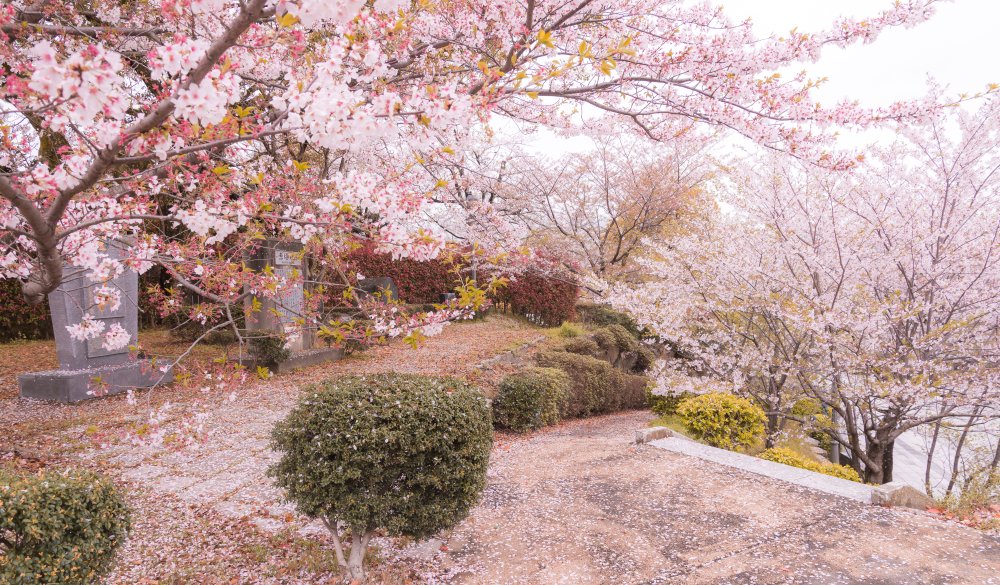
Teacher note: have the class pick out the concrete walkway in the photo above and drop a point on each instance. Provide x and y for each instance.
(803, 477)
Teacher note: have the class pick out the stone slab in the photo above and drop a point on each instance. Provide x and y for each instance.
(79, 385)
(300, 359)
(802, 477)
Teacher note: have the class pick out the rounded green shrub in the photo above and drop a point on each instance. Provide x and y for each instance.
(404, 454)
(810, 410)
(597, 387)
(583, 346)
(806, 407)
(531, 399)
(570, 330)
(646, 359)
(269, 350)
(59, 527)
(722, 420)
(788, 457)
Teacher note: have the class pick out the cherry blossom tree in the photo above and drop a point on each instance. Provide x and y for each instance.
(192, 129)
(598, 207)
(874, 292)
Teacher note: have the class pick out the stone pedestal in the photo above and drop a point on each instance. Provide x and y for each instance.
(79, 385)
(86, 368)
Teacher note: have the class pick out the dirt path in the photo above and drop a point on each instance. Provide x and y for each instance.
(579, 504)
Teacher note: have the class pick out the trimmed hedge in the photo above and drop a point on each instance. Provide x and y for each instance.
(615, 345)
(723, 420)
(603, 316)
(531, 399)
(596, 384)
(582, 346)
(597, 387)
(59, 527)
(616, 339)
(789, 457)
(634, 395)
(542, 299)
(18, 319)
(406, 454)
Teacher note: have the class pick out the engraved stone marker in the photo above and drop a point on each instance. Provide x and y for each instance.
(286, 259)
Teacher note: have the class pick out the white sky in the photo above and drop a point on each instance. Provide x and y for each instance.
(959, 47)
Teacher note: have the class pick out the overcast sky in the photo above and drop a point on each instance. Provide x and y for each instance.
(959, 46)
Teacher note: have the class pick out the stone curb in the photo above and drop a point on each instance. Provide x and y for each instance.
(801, 477)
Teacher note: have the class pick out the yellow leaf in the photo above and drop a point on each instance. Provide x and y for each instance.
(545, 38)
(286, 20)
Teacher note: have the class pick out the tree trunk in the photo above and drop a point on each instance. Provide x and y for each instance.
(957, 459)
(772, 430)
(875, 454)
(930, 459)
(887, 462)
(356, 560)
(994, 472)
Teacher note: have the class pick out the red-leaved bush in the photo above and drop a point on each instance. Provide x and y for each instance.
(418, 282)
(542, 299)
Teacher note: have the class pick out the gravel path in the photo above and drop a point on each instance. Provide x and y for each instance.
(576, 503)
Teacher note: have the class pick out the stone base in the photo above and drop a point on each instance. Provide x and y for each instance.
(79, 385)
(300, 359)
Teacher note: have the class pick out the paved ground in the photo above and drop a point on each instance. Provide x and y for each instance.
(579, 504)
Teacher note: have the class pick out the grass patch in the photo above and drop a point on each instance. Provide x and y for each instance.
(672, 422)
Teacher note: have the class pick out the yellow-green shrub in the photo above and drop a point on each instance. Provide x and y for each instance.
(722, 420)
(570, 330)
(665, 404)
(788, 457)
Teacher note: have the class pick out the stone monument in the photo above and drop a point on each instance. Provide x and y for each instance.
(86, 368)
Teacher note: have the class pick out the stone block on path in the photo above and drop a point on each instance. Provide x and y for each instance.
(900, 495)
(651, 434)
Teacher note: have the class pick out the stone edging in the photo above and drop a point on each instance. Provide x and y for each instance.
(802, 477)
